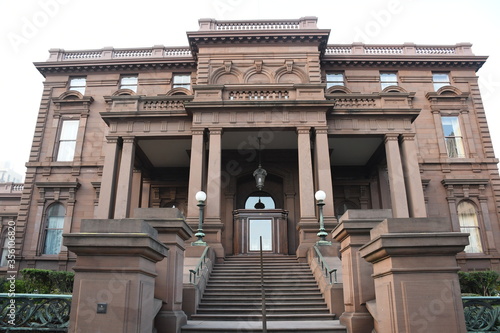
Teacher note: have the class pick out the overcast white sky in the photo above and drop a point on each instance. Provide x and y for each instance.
(29, 28)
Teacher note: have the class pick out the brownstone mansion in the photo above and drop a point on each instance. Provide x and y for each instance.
(260, 115)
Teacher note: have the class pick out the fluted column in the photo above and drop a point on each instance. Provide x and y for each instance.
(396, 178)
(323, 172)
(123, 188)
(195, 173)
(108, 182)
(413, 181)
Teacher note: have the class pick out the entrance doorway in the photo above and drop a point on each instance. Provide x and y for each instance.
(251, 224)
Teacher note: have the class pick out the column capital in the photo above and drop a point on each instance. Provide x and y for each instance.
(112, 139)
(128, 139)
(215, 131)
(197, 131)
(391, 137)
(321, 130)
(303, 130)
(408, 137)
(434, 111)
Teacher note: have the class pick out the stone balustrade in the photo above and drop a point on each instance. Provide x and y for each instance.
(403, 49)
(391, 100)
(160, 51)
(11, 187)
(157, 51)
(135, 103)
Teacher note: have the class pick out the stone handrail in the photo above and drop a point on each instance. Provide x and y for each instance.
(402, 49)
(482, 314)
(35, 312)
(157, 51)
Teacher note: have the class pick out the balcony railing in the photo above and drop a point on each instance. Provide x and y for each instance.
(34, 312)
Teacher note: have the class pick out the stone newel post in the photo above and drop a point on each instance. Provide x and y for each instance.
(115, 274)
(353, 232)
(415, 274)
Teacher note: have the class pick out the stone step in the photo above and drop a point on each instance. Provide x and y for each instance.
(328, 326)
(270, 299)
(258, 316)
(269, 305)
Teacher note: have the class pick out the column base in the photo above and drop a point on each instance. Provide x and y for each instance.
(357, 322)
(170, 321)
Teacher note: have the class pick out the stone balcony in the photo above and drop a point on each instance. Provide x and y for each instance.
(162, 104)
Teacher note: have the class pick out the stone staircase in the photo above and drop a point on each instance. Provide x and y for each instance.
(232, 299)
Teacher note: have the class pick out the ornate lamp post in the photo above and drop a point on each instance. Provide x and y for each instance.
(200, 197)
(320, 198)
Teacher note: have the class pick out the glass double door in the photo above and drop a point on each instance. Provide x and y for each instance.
(250, 225)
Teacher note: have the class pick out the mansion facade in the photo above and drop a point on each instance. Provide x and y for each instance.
(399, 127)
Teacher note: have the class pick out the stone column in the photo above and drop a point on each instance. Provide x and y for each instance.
(107, 192)
(214, 176)
(324, 173)
(396, 179)
(172, 232)
(353, 232)
(114, 276)
(308, 224)
(136, 189)
(195, 173)
(146, 193)
(413, 181)
(124, 186)
(415, 274)
(212, 224)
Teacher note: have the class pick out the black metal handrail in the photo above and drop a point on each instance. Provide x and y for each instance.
(194, 273)
(264, 317)
(35, 312)
(482, 314)
(324, 266)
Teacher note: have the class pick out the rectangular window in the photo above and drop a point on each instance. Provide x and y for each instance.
(78, 84)
(388, 79)
(453, 137)
(440, 80)
(334, 79)
(129, 82)
(182, 81)
(67, 141)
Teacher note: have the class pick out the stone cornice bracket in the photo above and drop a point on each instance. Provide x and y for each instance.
(289, 66)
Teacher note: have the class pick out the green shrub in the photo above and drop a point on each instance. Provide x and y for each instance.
(43, 281)
(5, 286)
(483, 283)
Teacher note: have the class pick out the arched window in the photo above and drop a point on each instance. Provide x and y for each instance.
(53, 229)
(260, 200)
(467, 217)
